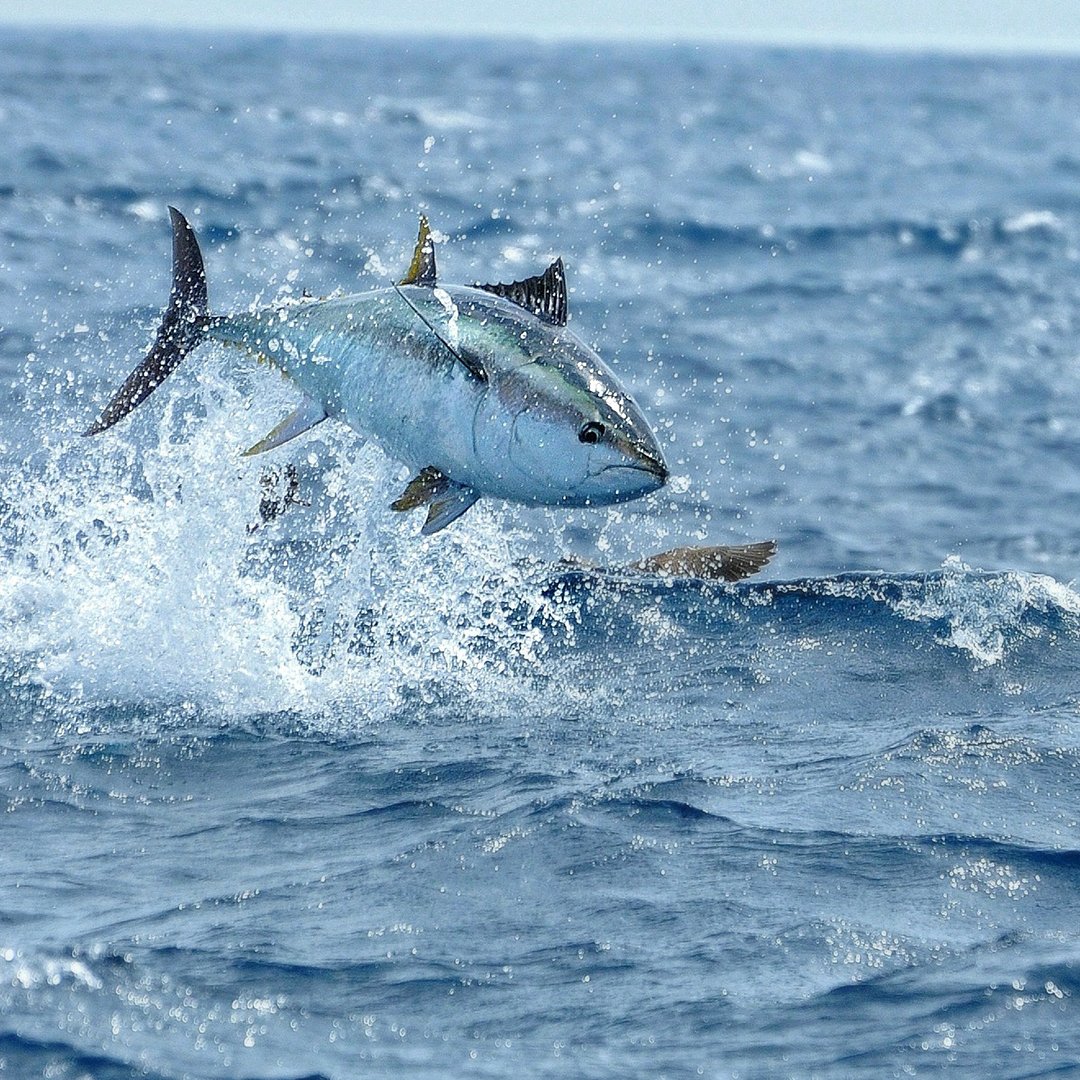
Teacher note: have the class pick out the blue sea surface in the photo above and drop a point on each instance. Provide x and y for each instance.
(320, 797)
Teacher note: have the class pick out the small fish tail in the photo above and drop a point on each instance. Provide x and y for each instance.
(183, 326)
(730, 562)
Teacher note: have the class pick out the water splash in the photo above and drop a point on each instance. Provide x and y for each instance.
(136, 567)
(987, 613)
(981, 613)
(138, 570)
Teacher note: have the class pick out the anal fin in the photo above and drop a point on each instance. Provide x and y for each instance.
(301, 419)
(445, 499)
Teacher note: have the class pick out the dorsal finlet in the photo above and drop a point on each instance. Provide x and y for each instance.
(422, 267)
(543, 295)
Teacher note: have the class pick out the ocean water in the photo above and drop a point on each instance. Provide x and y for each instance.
(323, 798)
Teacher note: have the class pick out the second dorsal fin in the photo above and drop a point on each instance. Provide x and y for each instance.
(543, 295)
(422, 267)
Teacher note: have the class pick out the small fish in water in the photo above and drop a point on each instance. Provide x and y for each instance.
(280, 490)
(726, 562)
(482, 389)
(723, 563)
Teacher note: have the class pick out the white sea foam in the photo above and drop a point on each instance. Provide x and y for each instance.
(986, 613)
(133, 574)
(1032, 220)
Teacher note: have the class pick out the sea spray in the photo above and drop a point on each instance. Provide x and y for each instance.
(139, 566)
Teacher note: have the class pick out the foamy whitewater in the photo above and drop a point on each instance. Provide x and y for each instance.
(315, 796)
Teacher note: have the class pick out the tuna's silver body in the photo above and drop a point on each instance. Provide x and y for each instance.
(483, 390)
(387, 364)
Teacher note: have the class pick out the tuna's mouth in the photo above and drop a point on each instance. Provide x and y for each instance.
(645, 464)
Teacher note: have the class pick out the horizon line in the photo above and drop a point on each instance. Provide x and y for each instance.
(872, 43)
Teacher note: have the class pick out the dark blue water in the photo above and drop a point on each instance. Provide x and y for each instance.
(323, 798)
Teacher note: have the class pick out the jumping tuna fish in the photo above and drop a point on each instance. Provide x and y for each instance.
(483, 389)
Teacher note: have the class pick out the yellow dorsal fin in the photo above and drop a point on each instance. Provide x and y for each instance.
(422, 267)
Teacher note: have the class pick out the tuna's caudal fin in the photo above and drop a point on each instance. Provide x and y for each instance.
(182, 328)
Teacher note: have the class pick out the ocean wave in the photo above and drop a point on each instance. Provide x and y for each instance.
(101, 1014)
(976, 743)
(946, 238)
(994, 865)
(982, 613)
(1012, 971)
(132, 572)
(24, 1055)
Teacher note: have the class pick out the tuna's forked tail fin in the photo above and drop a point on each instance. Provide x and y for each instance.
(182, 327)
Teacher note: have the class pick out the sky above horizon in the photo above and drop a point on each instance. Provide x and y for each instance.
(967, 25)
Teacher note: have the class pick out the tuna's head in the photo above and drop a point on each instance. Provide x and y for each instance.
(563, 432)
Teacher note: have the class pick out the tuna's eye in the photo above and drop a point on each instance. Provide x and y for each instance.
(592, 432)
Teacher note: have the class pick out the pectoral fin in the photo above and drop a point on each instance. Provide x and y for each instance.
(445, 499)
(449, 508)
(301, 419)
